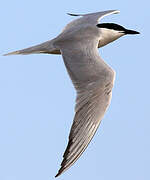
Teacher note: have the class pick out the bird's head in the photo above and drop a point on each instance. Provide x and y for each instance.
(111, 31)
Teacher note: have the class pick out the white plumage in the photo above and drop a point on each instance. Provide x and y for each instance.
(93, 79)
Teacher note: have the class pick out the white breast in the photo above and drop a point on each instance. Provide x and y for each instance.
(108, 35)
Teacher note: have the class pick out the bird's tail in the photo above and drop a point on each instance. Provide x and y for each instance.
(46, 47)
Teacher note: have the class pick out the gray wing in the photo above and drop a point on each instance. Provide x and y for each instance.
(47, 47)
(91, 18)
(93, 81)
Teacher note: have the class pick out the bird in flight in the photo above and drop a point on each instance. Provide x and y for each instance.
(92, 78)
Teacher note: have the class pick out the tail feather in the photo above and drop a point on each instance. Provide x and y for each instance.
(46, 47)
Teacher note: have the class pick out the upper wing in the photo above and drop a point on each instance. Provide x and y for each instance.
(47, 47)
(93, 81)
(91, 18)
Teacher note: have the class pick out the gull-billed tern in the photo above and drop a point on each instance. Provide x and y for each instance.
(92, 78)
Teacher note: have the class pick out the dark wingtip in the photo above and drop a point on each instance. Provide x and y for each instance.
(59, 172)
(73, 14)
(12, 53)
(56, 175)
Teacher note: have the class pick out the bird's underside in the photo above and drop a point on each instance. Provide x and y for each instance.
(57, 51)
(92, 78)
(44, 48)
(94, 92)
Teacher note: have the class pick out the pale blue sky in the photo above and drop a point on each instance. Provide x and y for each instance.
(37, 96)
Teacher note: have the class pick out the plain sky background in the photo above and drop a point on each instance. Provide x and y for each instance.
(37, 96)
